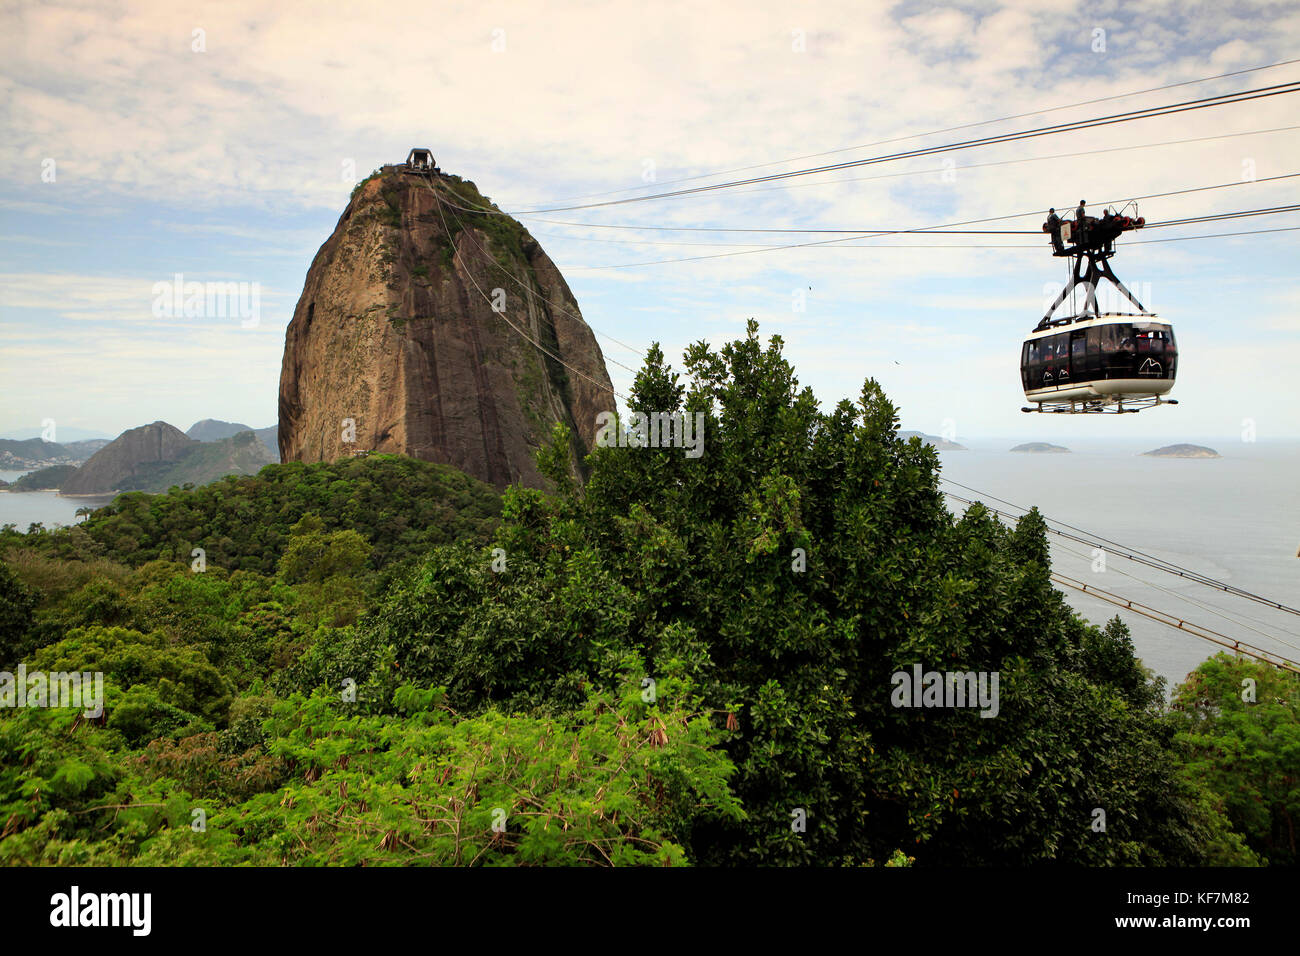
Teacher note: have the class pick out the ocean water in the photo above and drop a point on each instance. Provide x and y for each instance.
(1235, 519)
(47, 507)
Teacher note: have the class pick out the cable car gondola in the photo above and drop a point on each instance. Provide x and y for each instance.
(1096, 361)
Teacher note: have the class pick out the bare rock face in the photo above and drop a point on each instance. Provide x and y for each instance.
(395, 345)
(130, 460)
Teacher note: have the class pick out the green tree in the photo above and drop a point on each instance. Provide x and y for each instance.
(400, 505)
(789, 571)
(153, 687)
(1238, 723)
(16, 604)
(315, 556)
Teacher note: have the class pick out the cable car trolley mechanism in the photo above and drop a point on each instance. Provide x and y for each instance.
(1096, 361)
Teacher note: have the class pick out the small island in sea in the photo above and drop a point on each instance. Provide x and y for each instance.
(1042, 448)
(941, 444)
(1183, 451)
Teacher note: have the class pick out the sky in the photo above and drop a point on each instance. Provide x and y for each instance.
(220, 142)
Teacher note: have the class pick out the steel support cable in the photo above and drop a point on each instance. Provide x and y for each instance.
(942, 229)
(1008, 162)
(935, 132)
(1216, 235)
(918, 245)
(1123, 551)
(1156, 563)
(1228, 99)
(1179, 624)
(1171, 109)
(1273, 211)
(1218, 217)
(1220, 612)
(921, 172)
(940, 169)
(877, 234)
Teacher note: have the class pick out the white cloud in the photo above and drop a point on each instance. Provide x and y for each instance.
(261, 124)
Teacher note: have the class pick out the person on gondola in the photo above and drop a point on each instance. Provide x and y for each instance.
(1054, 227)
(1108, 220)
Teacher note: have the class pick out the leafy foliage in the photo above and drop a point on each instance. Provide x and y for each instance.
(680, 660)
(1238, 724)
(607, 785)
(16, 604)
(44, 478)
(789, 572)
(401, 506)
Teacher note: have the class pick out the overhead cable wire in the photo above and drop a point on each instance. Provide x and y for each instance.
(1178, 623)
(935, 132)
(1239, 619)
(965, 166)
(1276, 210)
(1217, 235)
(879, 233)
(922, 172)
(1217, 217)
(1226, 99)
(941, 170)
(1124, 551)
(938, 230)
(1170, 620)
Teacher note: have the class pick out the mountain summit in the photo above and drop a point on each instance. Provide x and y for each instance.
(433, 325)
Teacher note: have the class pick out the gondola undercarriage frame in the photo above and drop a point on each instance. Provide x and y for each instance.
(1099, 406)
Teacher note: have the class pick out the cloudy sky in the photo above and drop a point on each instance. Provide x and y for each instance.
(220, 141)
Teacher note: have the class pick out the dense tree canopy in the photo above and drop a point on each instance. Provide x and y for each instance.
(688, 658)
(789, 572)
(400, 505)
(1238, 723)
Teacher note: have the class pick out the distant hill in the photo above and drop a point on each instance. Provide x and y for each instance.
(1183, 451)
(44, 479)
(1042, 448)
(242, 454)
(82, 450)
(213, 429)
(31, 454)
(154, 457)
(131, 461)
(942, 444)
(270, 438)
